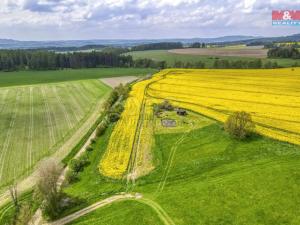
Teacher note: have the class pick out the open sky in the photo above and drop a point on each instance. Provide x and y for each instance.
(139, 19)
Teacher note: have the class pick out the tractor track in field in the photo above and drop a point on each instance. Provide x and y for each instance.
(76, 107)
(62, 106)
(137, 136)
(9, 134)
(29, 181)
(4, 211)
(49, 118)
(167, 170)
(162, 182)
(162, 214)
(31, 128)
(4, 96)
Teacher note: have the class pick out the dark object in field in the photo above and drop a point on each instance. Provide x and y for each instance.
(168, 123)
(181, 112)
(164, 106)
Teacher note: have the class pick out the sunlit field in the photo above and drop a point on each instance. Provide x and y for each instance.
(270, 96)
(36, 120)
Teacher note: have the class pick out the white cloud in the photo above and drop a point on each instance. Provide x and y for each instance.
(121, 18)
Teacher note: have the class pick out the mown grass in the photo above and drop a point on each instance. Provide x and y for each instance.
(35, 121)
(171, 58)
(125, 213)
(213, 179)
(52, 76)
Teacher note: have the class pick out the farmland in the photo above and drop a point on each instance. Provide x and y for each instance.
(237, 52)
(195, 173)
(36, 120)
(207, 178)
(45, 113)
(270, 96)
(54, 76)
(171, 58)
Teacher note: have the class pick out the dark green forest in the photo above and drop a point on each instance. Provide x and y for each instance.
(284, 52)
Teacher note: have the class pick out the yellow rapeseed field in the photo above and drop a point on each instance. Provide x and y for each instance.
(129, 134)
(272, 97)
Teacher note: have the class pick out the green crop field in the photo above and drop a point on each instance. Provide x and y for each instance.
(171, 58)
(38, 77)
(207, 178)
(35, 121)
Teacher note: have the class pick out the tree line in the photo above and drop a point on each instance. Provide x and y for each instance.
(157, 46)
(12, 60)
(244, 64)
(284, 52)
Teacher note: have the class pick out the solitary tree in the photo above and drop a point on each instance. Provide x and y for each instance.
(47, 188)
(239, 125)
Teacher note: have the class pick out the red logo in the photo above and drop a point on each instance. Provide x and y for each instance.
(286, 15)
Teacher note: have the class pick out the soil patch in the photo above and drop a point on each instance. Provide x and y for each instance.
(243, 52)
(116, 81)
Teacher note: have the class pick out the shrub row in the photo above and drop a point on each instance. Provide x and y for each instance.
(113, 107)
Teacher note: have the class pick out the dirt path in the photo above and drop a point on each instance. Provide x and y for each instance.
(115, 81)
(29, 181)
(92, 208)
(162, 214)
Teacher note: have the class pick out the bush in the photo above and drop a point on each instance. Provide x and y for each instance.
(123, 90)
(239, 125)
(89, 148)
(84, 160)
(113, 117)
(111, 100)
(157, 110)
(118, 108)
(77, 165)
(101, 129)
(166, 105)
(71, 176)
(93, 141)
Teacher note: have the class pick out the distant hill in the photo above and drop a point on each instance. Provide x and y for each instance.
(262, 40)
(15, 44)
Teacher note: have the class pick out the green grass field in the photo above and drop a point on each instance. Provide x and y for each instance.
(38, 77)
(7, 211)
(125, 213)
(207, 178)
(171, 58)
(36, 120)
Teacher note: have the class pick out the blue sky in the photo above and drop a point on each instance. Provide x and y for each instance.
(139, 19)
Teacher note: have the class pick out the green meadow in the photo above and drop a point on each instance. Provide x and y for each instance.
(205, 178)
(171, 58)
